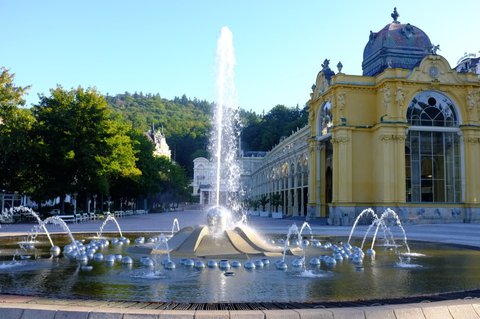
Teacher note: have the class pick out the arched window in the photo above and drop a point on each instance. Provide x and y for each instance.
(432, 150)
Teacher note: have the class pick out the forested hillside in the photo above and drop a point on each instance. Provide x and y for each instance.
(186, 123)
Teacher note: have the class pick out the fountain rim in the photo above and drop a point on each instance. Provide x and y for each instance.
(462, 297)
(427, 299)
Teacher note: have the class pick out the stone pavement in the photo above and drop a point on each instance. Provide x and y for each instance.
(27, 307)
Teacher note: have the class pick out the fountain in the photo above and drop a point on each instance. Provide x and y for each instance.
(377, 223)
(175, 226)
(27, 210)
(365, 212)
(58, 221)
(390, 213)
(196, 257)
(105, 222)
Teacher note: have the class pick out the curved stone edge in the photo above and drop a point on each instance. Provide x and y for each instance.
(24, 307)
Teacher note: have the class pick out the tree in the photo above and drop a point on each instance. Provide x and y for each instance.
(150, 181)
(175, 183)
(263, 200)
(276, 200)
(81, 142)
(263, 133)
(253, 203)
(16, 160)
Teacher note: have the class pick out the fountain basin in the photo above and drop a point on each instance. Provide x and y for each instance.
(432, 269)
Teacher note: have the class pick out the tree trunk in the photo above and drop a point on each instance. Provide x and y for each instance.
(62, 204)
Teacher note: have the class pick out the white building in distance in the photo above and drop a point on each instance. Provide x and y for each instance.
(158, 139)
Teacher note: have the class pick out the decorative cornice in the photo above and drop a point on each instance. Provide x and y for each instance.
(340, 140)
(472, 140)
(392, 137)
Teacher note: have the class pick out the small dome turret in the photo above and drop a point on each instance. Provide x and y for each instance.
(397, 45)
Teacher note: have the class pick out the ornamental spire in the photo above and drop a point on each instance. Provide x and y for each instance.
(395, 15)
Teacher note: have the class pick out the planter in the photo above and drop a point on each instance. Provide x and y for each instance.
(254, 213)
(264, 214)
(277, 215)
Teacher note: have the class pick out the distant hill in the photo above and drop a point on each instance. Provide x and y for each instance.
(186, 123)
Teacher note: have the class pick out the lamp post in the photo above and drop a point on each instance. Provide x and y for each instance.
(94, 203)
(108, 203)
(75, 203)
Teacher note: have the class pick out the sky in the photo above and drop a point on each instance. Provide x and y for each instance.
(168, 46)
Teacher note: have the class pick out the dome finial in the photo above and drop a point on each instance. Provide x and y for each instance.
(395, 15)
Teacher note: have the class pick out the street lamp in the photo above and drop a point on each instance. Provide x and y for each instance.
(94, 203)
(75, 203)
(109, 202)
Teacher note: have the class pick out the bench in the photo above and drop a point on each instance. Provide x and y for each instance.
(118, 213)
(67, 218)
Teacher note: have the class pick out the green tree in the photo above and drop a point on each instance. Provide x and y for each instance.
(263, 133)
(82, 144)
(276, 200)
(175, 187)
(16, 158)
(263, 201)
(149, 182)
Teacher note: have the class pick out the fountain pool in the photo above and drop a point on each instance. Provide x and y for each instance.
(431, 269)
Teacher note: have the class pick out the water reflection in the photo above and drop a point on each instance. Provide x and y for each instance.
(441, 268)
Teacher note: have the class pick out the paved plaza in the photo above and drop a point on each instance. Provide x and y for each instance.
(25, 307)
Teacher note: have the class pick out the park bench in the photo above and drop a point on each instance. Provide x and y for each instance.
(67, 218)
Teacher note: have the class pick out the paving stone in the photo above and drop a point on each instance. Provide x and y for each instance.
(439, 312)
(177, 314)
(379, 313)
(314, 314)
(105, 315)
(65, 314)
(11, 313)
(38, 314)
(125, 311)
(408, 313)
(345, 313)
(280, 314)
(463, 312)
(212, 314)
(247, 314)
(139, 316)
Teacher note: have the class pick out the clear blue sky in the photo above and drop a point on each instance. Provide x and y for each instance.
(168, 47)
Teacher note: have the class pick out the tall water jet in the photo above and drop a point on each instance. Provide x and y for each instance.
(225, 134)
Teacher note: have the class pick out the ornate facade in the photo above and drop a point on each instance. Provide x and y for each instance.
(404, 135)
